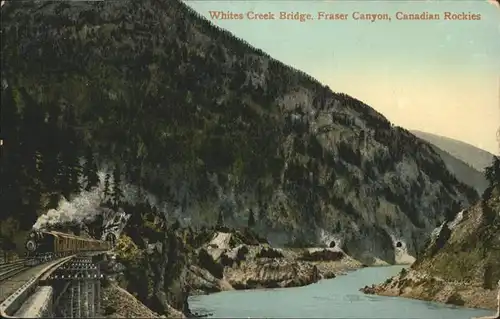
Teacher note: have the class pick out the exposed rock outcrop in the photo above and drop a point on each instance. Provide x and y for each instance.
(247, 266)
(497, 315)
(271, 273)
(201, 281)
(153, 263)
(119, 303)
(461, 264)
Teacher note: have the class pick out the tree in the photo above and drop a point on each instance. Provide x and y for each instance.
(9, 229)
(90, 170)
(51, 149)
(117, 191)
(251, 219)
(11, 164)
(452, 211)
(107, 185)
(70, 183)
(388, 221)
(338, 227)
(31, 141)
(492, 172)
(262, 212)
(220, 219)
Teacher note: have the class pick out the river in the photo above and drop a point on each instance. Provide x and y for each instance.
(333, 298)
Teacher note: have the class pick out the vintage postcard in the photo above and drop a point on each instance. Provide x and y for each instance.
(250, 159)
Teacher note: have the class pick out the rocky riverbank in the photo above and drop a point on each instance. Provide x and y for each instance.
(419, 285)
(119, 303)
(246, 266)
(461, 264)
(162, 269)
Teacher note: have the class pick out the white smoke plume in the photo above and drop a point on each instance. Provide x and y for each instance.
(83, 208)
(86, 206)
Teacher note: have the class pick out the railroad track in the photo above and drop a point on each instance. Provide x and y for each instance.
(17, 288)
(8, 270)
(4, 264)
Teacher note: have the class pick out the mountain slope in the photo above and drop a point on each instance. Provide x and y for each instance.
(463, 172)
(211, 127)
(461, 264)
(477, 158)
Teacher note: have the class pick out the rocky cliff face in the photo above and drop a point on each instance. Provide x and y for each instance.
(166, 264)
(209, 125)
(155, 272)
(461, 264)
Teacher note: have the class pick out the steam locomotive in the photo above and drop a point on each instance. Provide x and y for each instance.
(46, 245)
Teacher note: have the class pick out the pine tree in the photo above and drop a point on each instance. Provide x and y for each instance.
(51, 151)
(94, 181)
(492, 172)
(220, 219)
(262, 212)
(29, 176)
(11, 168)
(117, 191)
(251, 219)
(107, 185)
(74, 172)
(59, 175)
(90, 171)
(69, 156)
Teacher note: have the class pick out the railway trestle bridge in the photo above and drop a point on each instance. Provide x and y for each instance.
(68, 287)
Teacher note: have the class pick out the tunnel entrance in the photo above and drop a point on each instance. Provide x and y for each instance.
(399, 244)
(332, 244)
(111, 238)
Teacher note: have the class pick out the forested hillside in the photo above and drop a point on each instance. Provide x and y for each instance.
(153, 94)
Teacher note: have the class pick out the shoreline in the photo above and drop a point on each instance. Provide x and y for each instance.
(262, 266)
(417, 285)
(200, 313)
(222, 260)
(338, 269)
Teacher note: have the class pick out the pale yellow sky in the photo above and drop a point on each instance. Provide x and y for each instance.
(435, 76)
(465, 107)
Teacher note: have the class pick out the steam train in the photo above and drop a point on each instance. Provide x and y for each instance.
(46, 245)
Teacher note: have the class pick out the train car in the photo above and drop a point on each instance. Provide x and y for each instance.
(46, 245)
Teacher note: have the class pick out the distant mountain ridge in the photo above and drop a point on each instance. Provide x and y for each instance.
(478, 158)
(463, 170)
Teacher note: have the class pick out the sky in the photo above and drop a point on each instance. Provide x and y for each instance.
(438, 76)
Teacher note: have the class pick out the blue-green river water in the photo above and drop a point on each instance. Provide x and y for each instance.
(333, 298)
